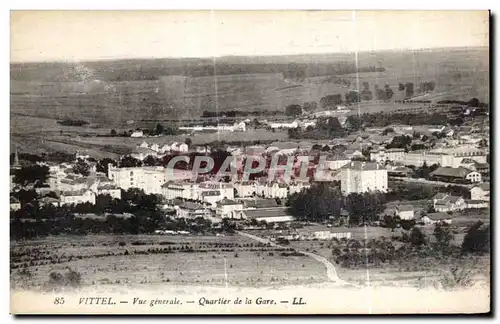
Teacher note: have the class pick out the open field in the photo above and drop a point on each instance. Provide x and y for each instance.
(416, 271)
(39, 134)
(149, 259)
(111, 91)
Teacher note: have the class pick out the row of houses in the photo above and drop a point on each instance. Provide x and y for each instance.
(446, 157)
(240, 209)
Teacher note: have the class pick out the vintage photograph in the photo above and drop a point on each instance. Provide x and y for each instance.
(250, 162)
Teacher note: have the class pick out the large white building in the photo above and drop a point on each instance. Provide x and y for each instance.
(382, 155)
(236, 127)
(445, 157)
(336, 162)
(77, 197)
(185, 190)
(363, 177)
(149, 179)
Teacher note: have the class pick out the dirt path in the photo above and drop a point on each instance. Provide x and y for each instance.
(331, 272)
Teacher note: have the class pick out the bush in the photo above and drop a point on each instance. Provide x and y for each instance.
(477, 239)
(70, 279)
(122, 244)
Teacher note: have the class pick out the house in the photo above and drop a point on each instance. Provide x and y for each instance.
(455, 175)
(272, 189)
(259, 203)
(15, 204)
(393, 154)
(298, 186)
(269, 215)
(399, 172)
(434, 218)
(219, 190)
(444, 202)
(481, 192)
(226, 206)
(350, 153)
(77, 197)
(192, 210)
(335, 162)
(211, 197)
(109, 189)
(363, 177)
(142, 153)
(137, 133)
(245, 188)
(179, 147)
(46, 201)
(405, 212)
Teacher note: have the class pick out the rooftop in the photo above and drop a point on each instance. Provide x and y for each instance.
(362, 166)
(459, 172)
(438, 216)
(260, 203)
(267, 212)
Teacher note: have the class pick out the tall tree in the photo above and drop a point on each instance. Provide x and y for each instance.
(293, 110)
(81, 167)
(31, 174)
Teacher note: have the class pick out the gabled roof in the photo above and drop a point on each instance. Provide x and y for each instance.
(438, 216)
(403, 208)
(191, 205)
(266, 212)
(459, 172)
(260, 203)
(358, 165)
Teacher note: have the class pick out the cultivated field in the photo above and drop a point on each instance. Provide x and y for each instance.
(165, 260)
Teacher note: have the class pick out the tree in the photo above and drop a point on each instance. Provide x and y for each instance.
(81, 167)
(102, 165)
(310, 106)
(477, 239)
(401, 87)
(316, 203)
(293, 110)
(390, 221)
(443, 236)
(364, 208)
(129, 161)
(31, 174)
(352, 97)
(331, 100)
(409, 90)
(159, 129)
(150, 161)
(474, 102)
(388, 92)
(417, 238)
(113, 132)
(188, 141)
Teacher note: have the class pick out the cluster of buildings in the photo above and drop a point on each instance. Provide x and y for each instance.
(156, 150)
(236, 127)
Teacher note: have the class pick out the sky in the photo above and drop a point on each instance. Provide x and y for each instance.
(94, 35)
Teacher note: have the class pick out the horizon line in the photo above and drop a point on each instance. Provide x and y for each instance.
(243, 55)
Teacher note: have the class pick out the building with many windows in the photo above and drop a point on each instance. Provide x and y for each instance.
(361, 177)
